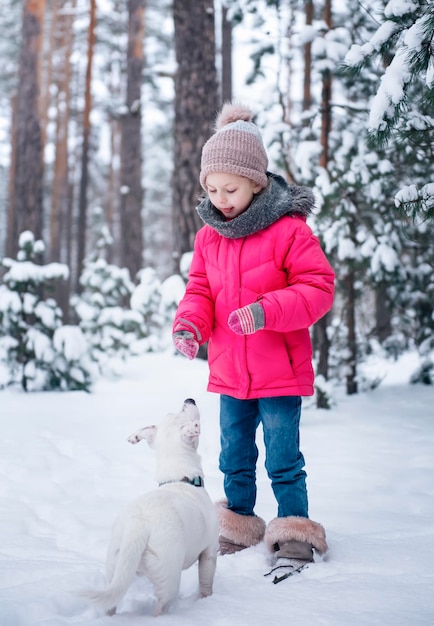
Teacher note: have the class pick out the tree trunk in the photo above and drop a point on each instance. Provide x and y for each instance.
(323, 340)
(112, 197)
(226, 56)
(46, 74)
(60, 193)
(82, 198)
(131, 149)
(26, 198)
(60, 187)
(323, 343)
(196, 103)
(383, 323)
(10, 245)
(350, 315)
(307, 78)
(112, 203)
(351, 376)
(326, 97)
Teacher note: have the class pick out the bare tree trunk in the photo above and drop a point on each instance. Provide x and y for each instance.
(82, 199)
(131, 148)
(112, 196)
(323, 343)
(196, 103)
(307, 78)
(383, 323)
(112, 210)
(351, 376)
(226, 55)
(326, 97)
(10, 245)
(26, 210)
(45, 73)
(285, 67)
(60, 187)
(60, 196)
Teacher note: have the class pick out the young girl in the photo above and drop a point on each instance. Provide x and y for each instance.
(258, 280)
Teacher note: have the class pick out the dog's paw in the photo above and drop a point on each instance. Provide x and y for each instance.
(134, 438)
(205, 591)
(148, 433)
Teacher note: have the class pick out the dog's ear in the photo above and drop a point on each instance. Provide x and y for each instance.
(147, 433)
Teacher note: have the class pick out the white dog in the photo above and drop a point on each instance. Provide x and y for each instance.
(168, 529)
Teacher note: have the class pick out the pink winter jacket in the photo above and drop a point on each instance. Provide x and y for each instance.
(283, 267)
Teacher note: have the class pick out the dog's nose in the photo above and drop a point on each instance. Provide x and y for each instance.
(189, 401)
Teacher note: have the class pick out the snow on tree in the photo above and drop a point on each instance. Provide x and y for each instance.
(401, 110)
(157, 301)
(172, 290)
(382, 297)
(113, 330)
(401, 126)
(31, 353)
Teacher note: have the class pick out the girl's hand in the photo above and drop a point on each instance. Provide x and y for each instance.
(186, 343)
(247, 320)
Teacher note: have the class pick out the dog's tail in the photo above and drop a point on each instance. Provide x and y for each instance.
(130, 553)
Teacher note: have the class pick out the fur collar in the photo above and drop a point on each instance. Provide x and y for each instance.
(276, 200)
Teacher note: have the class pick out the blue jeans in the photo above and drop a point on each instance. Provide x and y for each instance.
(280, 417)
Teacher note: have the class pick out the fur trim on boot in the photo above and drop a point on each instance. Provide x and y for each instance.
(283, 529)
(238, 531)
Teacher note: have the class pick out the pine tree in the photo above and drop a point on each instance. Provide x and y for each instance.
(35, 349)
(146, 299)
(401, 128)
(401, 112)
(112, 329)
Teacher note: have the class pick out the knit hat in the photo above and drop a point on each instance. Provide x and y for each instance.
(236, 147)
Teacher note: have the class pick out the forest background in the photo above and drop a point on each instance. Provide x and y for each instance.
(104, 108)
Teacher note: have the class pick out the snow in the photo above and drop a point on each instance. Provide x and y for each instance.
(411, 193)
(67, 471)
(400, 72)
(24, 271)
(358, 53)
(398, 8)
(427, 193)
(70, 341)
(391, 90)
(346, 249)
(384, 257)
(41, 344)
(9, 300)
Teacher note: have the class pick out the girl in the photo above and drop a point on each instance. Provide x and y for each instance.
(258, 280)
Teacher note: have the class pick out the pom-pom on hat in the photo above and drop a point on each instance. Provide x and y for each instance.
(236, 147)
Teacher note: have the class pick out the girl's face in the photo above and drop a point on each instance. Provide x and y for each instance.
(231, 194)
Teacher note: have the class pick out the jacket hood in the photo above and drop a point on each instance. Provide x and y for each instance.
(276, 200)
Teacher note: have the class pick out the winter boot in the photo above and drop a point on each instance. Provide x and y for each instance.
(292, 541)
(238, 532)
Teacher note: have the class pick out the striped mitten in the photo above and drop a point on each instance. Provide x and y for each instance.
(247, 320)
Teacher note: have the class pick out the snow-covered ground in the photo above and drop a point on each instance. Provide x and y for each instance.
(66, 470)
